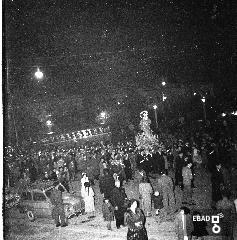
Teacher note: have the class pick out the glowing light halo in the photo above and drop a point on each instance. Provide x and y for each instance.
(49, 123)
(39, 74)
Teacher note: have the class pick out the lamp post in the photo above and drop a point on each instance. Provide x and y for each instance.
(155, 111)
(204, 108)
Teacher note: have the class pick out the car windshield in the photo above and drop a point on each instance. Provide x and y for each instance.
(48, 192)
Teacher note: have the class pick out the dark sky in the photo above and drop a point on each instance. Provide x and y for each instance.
(87, 46)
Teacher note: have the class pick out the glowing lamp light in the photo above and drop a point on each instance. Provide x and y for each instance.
(118, 103)
(234, 113)
(103, 114)
(223, 114)
(49, 123)
(155, 107)
(164, 98)
(203, 99)
(163, 83)
(39, 74)
(195, 94)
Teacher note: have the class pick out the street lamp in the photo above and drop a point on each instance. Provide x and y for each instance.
(155, 111)
(39, 74)
(204, 108)
(163, 83)
(103, 114)
(164, 97)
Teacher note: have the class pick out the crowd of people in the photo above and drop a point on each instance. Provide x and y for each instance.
(182, 152)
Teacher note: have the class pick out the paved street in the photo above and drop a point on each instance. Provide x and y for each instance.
(82, 228)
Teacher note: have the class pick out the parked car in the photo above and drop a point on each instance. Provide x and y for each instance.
(36, 203)
(11, 200)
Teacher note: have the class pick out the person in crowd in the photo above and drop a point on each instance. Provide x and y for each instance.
(145, 191)
(106, 184)
(139, 175)
(84, 179)
(199, 227)
(46, 177)
(139, 158)
(72, 170)
(58, 213)
(235, 202)
(118, 198)
(63, 177)
(166, 187)
(88, 196)
(132, 158)
(157, 200)
(226, 207)
(102, 166)
(32, 172)
(90, 174)
(53, 175)
(187, 181)
(127, 167)
(108, 212)
(24, 183)
(116, 177)
(212, 157)
(196, 157)
(183, 224)
(178, 169)
(217, 182)
(66, 178)
(204, 156)
(135, 220)
(158, 160)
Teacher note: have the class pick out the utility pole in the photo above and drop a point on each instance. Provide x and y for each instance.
(10, 105)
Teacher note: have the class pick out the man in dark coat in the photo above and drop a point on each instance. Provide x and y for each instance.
(158, 161)
(58, 208)
(217, 182)
(117, 199)
(212, 157)
(106, 183)
(179, 164)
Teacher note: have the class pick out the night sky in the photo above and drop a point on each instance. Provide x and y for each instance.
(87, 46)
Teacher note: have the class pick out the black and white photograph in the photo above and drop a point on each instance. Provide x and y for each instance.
(119, 120)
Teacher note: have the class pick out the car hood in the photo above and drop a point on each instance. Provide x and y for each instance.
(69, 198)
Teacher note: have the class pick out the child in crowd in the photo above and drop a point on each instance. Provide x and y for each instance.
(157, 200)
(108, 213)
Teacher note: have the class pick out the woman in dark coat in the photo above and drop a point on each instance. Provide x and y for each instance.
(217, 183)
(108, 212)
(118, 200)
(135, 220)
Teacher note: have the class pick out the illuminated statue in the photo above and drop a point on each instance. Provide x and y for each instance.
(146, 140)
